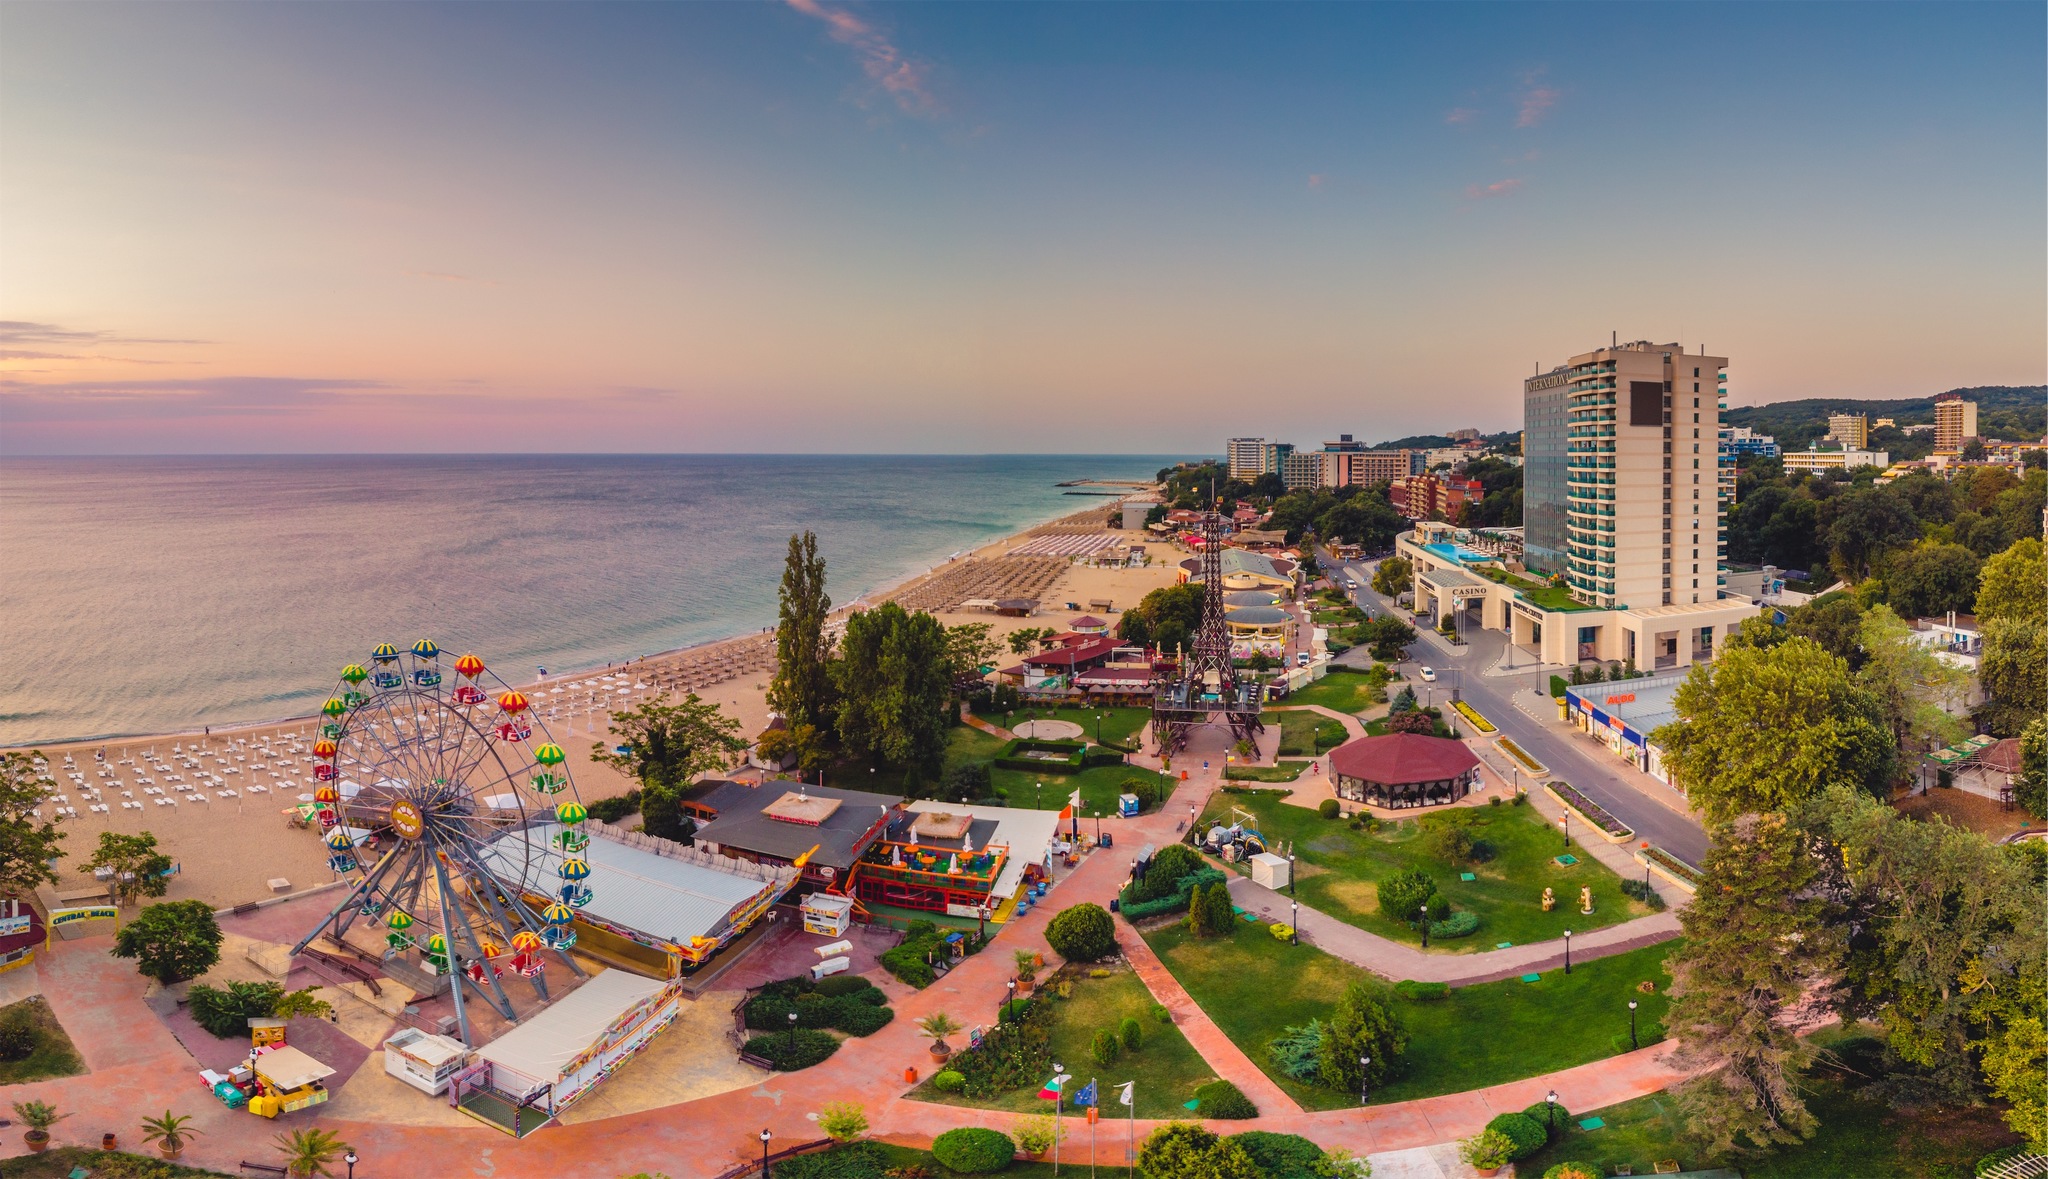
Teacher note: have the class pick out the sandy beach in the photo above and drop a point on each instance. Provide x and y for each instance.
(216, 801)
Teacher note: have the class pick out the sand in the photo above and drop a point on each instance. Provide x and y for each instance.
(229, 848)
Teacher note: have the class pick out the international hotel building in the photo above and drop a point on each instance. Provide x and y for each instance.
(1622, 501)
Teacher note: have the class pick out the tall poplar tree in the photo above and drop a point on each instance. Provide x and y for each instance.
(802, 685)
(1757, 938)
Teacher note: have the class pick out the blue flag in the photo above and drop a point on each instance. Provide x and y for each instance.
(1086, 1097)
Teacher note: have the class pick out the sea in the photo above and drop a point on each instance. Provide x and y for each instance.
(149, 595)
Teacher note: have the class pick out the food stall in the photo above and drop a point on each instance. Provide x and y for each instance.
(826, 914)
(286, 1079)
(423, 1060)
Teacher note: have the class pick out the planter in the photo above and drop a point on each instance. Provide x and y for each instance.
(1589, 813)
(941, 1053)
(164, 1148)
(38, 1140)
(1675, 876)
(1487, 1171)
(1023, 986)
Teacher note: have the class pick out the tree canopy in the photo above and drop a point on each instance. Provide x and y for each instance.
(1166, 618)
(27, 843)
(801, 687)
(895, 685)
(667, 746)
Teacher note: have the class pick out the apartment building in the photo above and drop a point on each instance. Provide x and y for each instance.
(1843, 459)
(1247, 457)
(1303, 470)
(1432, 496)
(1741, 440)
(1852, 430)
(1955, 421)
(1639, 459)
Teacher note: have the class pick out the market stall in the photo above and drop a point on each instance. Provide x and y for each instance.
(551, 1059)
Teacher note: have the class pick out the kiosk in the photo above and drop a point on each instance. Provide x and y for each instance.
(286, 1079)
(826, 914)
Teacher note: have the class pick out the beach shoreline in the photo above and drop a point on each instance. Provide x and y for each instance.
(867, 599)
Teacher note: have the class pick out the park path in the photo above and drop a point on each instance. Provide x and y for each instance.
(140, 1069)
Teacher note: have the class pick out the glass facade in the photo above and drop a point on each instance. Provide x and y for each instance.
(1543, 471)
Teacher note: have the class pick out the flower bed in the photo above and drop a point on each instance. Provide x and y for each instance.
(1472, 714)
(1671, 868)
(1528, 763)
(1592, 812)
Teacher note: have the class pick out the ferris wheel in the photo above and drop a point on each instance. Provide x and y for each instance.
(478, 863)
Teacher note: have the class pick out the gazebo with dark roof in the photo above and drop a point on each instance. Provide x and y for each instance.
(1401, 770)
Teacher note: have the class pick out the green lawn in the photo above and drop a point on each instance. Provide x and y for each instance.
(1858, 1138)
(1340, 868)
(1100, 788)
(1342, 691)
(1481, 1035)
(54, 1055)
(1167, 1068)
(1119, 725)
(1305, 734)
(1286, 771)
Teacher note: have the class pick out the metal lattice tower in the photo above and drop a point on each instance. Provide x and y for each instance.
(1206, 683)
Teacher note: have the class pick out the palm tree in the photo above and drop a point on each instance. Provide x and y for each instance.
(168, 1132)
(38, 1116)
(307, 1152)
(938, 1025)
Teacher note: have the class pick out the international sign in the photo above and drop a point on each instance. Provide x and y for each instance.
(1625, 698)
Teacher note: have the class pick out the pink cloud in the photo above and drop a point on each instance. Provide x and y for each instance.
(1499, 188)
(1536, 103)
(905, 80)
(1317, 179)
(1460, 114)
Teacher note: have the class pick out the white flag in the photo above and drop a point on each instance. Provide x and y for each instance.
(1124, 1098)
(1076, 800)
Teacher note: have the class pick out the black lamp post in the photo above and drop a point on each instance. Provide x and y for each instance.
(1294, 922)
(1632, 1025)
(1290, 873)
(765, 1136)
(1364, 1063)
(1040, 804)
(1567, 951)
(1010, 1004)
(350, 1159)
(1550, 1109)
(1098, 828)
(792, 1031)
(1566, 823)
(1425, 925)
(1098, 728)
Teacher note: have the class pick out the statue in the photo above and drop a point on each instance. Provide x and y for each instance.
(1549, 900)
(1585, 900)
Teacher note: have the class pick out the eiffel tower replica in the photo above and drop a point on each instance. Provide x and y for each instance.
(1205, 685)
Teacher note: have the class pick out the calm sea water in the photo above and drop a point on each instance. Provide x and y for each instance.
(143, 595)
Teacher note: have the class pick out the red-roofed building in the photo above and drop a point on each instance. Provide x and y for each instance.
(1401, 770)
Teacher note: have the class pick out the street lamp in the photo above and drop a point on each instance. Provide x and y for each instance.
(1040, 804)
(350, 1159)
(1567, 951)
(1098, 827)
(1364, 1063)
(1632, 1025)
(1424, 922)
(1566, 823)
(1010, 1004)
(1098, 728)
(1294, 922)
(792, 1031)
(1290, 873)
(765, 1136)
(1550, 1108)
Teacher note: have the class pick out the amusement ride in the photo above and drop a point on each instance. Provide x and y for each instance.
(481, 867)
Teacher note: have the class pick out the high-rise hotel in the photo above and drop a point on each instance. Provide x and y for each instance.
(1621, 486)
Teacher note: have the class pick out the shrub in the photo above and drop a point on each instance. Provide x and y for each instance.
(611, 810)
(1450, 842)
(1487, 1150)
(1298, 1051)
(1643, 891)
(1525, 1134)
(974, 1150)
(1328, 808)
(1037, 1133)
(1283, 1156)
(853, 1160)
(1462, 923)
(843, 1121)
(1422, 992)
(1544, 1114)
(856, 1018)
(17, 1035)
(1404, 892)
(1082, 933)
(1223, 1100)
(841, 985)
(1161, 1014)
(1170, 864)
(948, 1081)
(1184, 1150)
(226, 1013)
(1132, 1033)
(1105, 1047)
(1175, 901)
(1572, 1169)
(788, 1052)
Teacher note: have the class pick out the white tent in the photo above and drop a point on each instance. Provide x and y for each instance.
(578, 1039)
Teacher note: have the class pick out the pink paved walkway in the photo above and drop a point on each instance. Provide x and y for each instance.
(138, 1068)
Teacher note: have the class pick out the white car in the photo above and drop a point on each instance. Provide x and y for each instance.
(1429, 675)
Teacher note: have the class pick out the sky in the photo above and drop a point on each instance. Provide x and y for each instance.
(812, 226)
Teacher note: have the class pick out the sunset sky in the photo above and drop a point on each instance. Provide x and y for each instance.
(817, 226)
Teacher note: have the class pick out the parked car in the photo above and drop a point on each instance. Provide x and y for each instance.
(1429, 675)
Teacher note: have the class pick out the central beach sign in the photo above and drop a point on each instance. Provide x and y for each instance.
(72, 916)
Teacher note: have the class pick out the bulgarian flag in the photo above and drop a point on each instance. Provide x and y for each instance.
(1051, 1091)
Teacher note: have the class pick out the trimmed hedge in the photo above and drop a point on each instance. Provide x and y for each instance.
(1462, 923)
(1174, 902)
(948, 1081)
(906, 961)
(1525, 1132)
(841, 985)
(854, 1006)
(855, 1160)
(789, 1052)
(974, 1150)
(1422, 992)
(1328, 808)
(1223, 1101)
(861, 1019)
(1283, 1156)
(1542, 1112)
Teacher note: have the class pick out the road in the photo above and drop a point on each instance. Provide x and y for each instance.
(1599, 775)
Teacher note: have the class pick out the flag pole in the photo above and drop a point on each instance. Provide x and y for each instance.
(1059, 1097)
(1091, 1126)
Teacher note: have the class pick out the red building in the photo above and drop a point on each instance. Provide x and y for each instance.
(1432, 496)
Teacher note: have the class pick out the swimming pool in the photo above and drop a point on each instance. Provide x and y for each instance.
(1456, 552)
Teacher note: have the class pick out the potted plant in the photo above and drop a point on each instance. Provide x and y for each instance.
(1027, 970)
(168, 1132)
(38, 1116)
(938, 1025)
(1034, 1135)
(309, 1152)
(1487, 1152)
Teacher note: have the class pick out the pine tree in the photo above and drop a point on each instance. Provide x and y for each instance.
(801, 687)
(1363, 1027)
(1756, 939)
